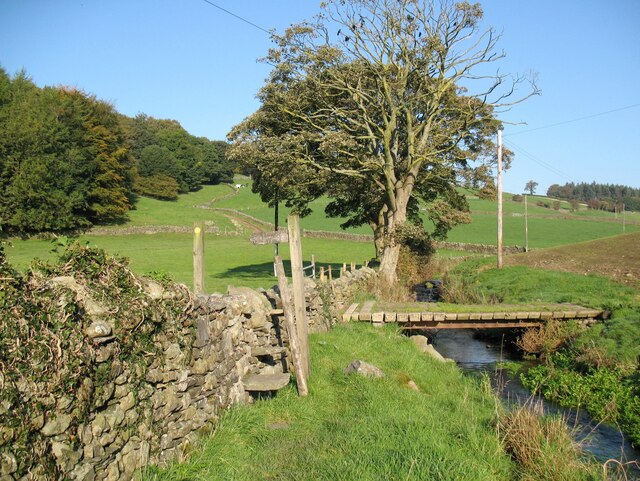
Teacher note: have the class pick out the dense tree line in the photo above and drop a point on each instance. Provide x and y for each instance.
(609, 197)
(170, 161)
(69, 161)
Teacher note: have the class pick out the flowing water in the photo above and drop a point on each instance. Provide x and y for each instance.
(604, 442)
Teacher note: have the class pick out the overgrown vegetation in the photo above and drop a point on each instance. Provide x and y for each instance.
(45, 354)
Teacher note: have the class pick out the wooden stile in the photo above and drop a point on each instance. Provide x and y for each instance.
(297, 275)
(294, 340)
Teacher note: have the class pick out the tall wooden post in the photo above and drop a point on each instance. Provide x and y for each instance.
(526, 225)
(294, 339)
(297, 275)
(198, 258)
(500, 199)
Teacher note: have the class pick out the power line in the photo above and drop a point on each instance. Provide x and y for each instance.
(538, 161)
(574, 120)
(237, 16)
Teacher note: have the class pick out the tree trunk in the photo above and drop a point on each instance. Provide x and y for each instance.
(389, 264)
(394, 220)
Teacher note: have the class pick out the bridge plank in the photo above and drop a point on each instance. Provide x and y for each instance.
(346, 317)
(427, 316)
(365, 312)
(473, 325)
(390, 317)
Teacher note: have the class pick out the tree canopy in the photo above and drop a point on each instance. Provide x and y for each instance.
(68, 160)
(63, 162)
(371, 103)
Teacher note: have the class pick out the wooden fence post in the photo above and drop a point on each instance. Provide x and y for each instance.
(294, 339)
(198, 258)
(297, 275)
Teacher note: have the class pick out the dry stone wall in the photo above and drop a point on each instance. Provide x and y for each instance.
(143, 402)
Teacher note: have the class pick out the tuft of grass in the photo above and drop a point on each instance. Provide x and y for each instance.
(543, 446)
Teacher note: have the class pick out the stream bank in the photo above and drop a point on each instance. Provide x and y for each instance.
(475, 356)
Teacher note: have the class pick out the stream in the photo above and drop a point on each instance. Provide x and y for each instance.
(475, 356)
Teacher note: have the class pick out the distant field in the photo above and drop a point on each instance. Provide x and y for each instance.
(231, 259)
(228, 260)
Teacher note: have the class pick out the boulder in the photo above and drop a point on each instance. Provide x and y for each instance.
(364, 369)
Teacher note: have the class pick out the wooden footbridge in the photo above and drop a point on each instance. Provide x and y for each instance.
(420, 316)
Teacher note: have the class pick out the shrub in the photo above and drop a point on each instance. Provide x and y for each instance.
(517, 198)
(548, 338)
(556, 205)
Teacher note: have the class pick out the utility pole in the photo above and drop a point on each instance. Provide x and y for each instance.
(526, 224)
(623, 219)
(500, 198)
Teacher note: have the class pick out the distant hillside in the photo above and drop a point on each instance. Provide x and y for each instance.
(615, 257)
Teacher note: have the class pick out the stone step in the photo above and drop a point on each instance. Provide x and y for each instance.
(267, 351)
(265, 382)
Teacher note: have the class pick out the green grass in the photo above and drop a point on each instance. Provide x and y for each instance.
(519, 284)
(232, 260)
(543, 232)
(250, 203)
(355, 428)
(228, 259)
(182, 212)
(552, 228)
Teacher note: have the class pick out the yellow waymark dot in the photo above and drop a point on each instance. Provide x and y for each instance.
(197, 230)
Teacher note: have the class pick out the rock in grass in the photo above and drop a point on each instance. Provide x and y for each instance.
(364, 369)
(423, 344)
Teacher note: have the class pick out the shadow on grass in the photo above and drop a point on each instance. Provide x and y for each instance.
(266, 271)
(253, 271)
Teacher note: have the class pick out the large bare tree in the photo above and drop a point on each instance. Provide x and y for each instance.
(379, 104)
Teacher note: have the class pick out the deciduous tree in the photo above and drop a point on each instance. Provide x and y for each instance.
(531, 186)
(382, 104)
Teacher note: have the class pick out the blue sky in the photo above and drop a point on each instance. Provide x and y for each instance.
(189, 61)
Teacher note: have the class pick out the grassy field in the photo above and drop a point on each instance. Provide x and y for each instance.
(228, 260)
(231, 259)
(361, 429)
